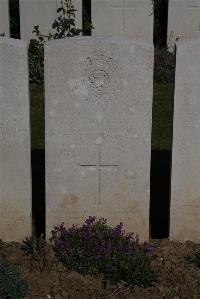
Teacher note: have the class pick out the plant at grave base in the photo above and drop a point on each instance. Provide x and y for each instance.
(64, 26)
(12, 286)
(194, 259)
(35, 249)
(3, 247)
(95, 248)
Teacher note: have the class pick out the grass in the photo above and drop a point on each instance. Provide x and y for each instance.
(162, 116)
(37, 116)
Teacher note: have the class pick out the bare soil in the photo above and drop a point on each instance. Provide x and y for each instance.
(177, 278)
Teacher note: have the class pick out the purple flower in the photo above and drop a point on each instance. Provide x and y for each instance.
(118, 229)
(148, 247)
(90, 220)
(59, 227)
(61, 245)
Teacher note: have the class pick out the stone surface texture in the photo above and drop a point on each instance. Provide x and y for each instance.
(185, 187)
(4, 17)
(43, 13)
(98, 131)
(15, 165)
(183, 20)
(133, 18)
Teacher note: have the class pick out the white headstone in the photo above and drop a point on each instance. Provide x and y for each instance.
(15, 165)
(4, 18)
(43, 13)
(183, 20)
(185, 187)
(98, 131)
(133, 18)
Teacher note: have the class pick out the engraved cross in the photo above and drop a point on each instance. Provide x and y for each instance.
(99, 167)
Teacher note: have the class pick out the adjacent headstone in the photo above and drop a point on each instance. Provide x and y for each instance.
(42, 13)
(4, 18)
(98, 131)
(183, 20)
(15, 166)
(185, 187)
(133, 18)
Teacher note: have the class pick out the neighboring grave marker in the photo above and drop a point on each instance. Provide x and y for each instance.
(4, 17)
(43, 13)
(15, 166)
(185, 186)
(98, 131)
(183, 20)
(133, 18)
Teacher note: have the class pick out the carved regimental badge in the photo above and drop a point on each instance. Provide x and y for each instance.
(104, 74)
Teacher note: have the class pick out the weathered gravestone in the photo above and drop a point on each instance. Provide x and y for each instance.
(98, 131)
(43, 13)
(133, 18)
(183, 19)
(15, 167)
(4, 17)
(185, 187)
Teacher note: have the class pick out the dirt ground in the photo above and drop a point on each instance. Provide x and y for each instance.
(177, 278)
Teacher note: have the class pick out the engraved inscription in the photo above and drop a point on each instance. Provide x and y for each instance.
(104, 74)
(9, 124)
(116, 3)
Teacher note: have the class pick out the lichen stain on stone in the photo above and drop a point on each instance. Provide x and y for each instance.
(13, 222)
(186, 226)
(134, 206)
(68, 200)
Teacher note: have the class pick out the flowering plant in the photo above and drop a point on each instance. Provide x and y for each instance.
(95, 248)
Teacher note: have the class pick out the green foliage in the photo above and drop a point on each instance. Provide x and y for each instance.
(36, 61)
(12, 286)
(35, 249)
(37, 116)
(3, 247)
(97, 249)
(164, 69)
(162, 124)
(64, 26)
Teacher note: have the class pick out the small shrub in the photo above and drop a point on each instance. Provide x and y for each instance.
(35, 249)
(36, 61)
(64, 26)
(3, 247)
(95, 248)
(12, 286)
